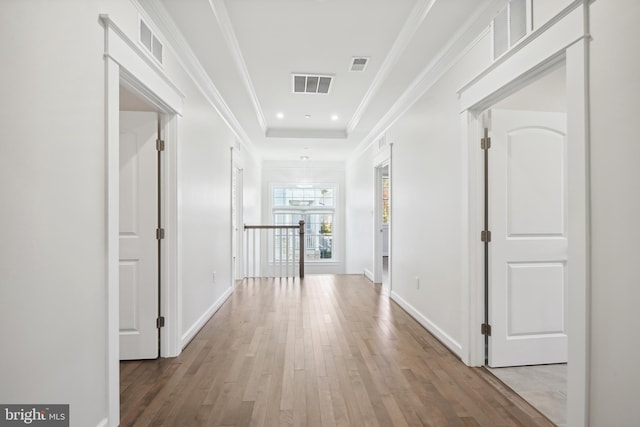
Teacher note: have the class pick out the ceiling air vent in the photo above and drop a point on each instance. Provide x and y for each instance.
(305, 83)
(358, 63)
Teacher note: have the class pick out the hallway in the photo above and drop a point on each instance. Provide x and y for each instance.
(330, 351)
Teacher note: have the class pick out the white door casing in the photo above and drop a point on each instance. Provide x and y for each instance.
(237, 226)
(126, 63)
(565, 39)
(528, 251)
(138, 244)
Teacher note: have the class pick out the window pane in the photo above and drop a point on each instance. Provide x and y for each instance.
(307, 203)
(319, 236)
(385, 200)
(303, 197)
(326, 197)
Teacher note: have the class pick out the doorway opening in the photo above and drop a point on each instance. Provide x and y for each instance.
(237, 221)
(535, 58)
(126, 67)
(382, 218)
(140, 227)
(526, 258)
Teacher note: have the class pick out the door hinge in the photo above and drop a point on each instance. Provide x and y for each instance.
(160, 322)
(485, 236)
(485, 329)
(485, 143)
(159, 233)
(160, 144)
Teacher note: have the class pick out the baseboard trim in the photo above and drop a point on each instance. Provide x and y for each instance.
(369, 275)
(441, 335)
(195, 328)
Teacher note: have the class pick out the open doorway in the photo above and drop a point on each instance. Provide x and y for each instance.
(527, 210)
(140, 227)
(127, 67)
(382, 220)
(237, 221)
(506, 77)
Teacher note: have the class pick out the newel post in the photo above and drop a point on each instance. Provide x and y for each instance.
(302, 251)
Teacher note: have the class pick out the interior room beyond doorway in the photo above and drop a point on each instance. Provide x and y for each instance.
(545, 95)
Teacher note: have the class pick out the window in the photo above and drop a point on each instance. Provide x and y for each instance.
(385, 200)
(316, 206)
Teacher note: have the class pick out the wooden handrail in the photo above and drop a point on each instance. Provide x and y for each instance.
(300, 226)
(270, 227)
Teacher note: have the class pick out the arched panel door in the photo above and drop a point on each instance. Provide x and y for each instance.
(528, 249)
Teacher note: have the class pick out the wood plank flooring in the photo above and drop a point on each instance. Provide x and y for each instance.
(330, 351)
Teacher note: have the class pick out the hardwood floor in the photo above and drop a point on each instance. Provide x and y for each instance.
(330, 351)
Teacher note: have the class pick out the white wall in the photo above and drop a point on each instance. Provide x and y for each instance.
(52, 169)
(359, 213)
(53, 321)
(548, 93)
(252, 191)
(615, 179)
(543, 10)
(204, 191)
(330, 173)
(428, 202)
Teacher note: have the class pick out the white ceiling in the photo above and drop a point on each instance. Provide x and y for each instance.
(251, 48)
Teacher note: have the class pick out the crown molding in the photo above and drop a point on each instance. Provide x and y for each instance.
(409, 29)
(220, 11)
(157, 16)
(473, 30)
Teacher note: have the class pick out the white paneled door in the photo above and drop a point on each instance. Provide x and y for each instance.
(138, 244)
(528, 249)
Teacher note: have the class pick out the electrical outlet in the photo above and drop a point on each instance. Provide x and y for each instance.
(214, 276)
(417, 282)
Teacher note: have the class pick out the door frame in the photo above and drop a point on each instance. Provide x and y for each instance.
(127, 64)
(156, 219)
(237, 241)
(565, 39)
(384, 158)
(378, 266)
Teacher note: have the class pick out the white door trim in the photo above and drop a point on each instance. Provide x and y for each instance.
(566, 41)
(237, 241)
(126, 63)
